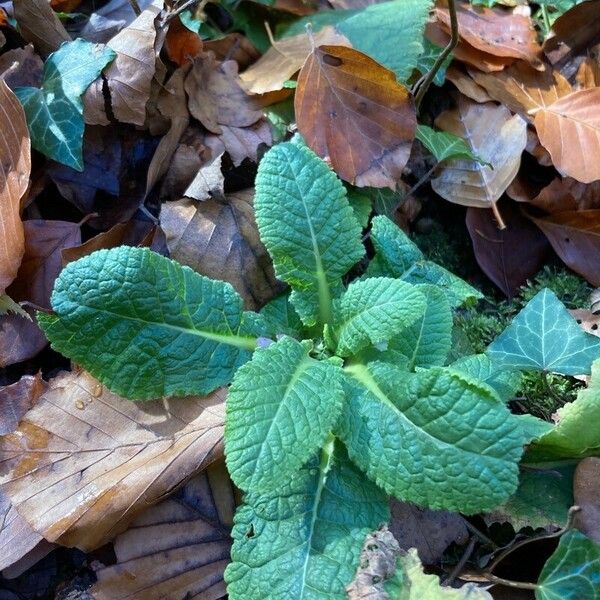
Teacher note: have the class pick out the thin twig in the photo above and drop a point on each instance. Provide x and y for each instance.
(498, 216)
(462, 562)
(522, 585)
(180, 9)
(421, 87)
(479, 534)
(135, 7)
(417, 185)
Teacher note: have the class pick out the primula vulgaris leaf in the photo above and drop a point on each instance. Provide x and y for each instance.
(280, 317)
(431, 437)
(545, 336)
(148, 327)
(304, 542)
(374, 310)
(573, 571)
(280, 409)
(55, 112)
(307, 225)
(576, 433)
(444, 145)
(504, 381)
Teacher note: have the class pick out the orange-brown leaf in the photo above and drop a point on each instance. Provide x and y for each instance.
(182, 45)
(353, 113)
(65, 6)
(15, 167)
(567, 194)
(570, 130)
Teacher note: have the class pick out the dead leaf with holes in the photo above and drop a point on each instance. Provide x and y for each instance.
(84, 462)
(354, 114)
(494, 135)
(176, 549)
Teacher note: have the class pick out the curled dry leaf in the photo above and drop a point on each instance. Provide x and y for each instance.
(586, 493)
(466, 85)
(522, 89)
(285, 58)
(575, 237)
(495, 31)
(15, 167)
(182, 45)
(220, 239)
(176, 549)
(17, 399)
(79, 485)
(353, 113)
(570, 130)
(567, 194)
(129, 76)
(495, 136)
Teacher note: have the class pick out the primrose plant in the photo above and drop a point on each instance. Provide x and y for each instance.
(342, 394)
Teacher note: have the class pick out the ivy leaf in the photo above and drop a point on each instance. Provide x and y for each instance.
(307, 225)
(576, 433)
(573, 570)
(280, 408)
(445, 146)
(431, 437)
(148, 327)
(427, 59)
(304, 541)
(546, 337)
(374, 310)
(55, 112)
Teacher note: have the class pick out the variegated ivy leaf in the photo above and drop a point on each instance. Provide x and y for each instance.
(148, 327)
(431, 437)
(544, 336)
(303, 541)
(307, 225)
(55, 111)
(444, 145)
(280, 409)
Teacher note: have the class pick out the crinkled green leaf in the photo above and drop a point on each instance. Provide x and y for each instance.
(304, 542)
(427, 59)
(545, 336)
(374, 310)
(573, 571)
(280, 317)
(390, 32)
(307, 225)
(55, 112)
(431, 437)
(525, 508)
(444, 145)
(576, 433)
(280, 409)
(361, 205)
(411, 583)
(148, 327)
(505, 382)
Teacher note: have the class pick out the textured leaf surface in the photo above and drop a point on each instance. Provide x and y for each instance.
(307, 225)
(545, 336)
(577, 430)
(55, 112)
(431, 437)
(305, 541)
(280, 409)
(374, 310)
(444, 145)
(280, 317)
(573, 571)
(146, 326)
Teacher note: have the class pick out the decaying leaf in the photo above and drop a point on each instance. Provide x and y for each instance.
(233, 46)
(208, 182)
(129, 76)
(586, 493)
(84, 462)
(20, 338)
(176, 549)
(570, 130)
(182, 45)
(353, 113)
(241, 142)
(497, 138)
(220, 239)
(567, 194)
(466, 85)
(588, 74)
(17, 399)
(21, 67)
(15, 166)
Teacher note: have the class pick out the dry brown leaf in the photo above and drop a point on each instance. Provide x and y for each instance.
(186, 162)
(181, 44)
(354, 114)
(536, 149)
(586, 493)
(208, 182)
(21, 67)
(220, 239)
(129, 75)
(20, 339)
(15, 167)
(523, 89)
(570, 130)
(233, 46)
(84, 462)
(17, 399)
(587, 320)
(588, 74)
(466, 85)
(39, 24)
(566, 194)
(495, 136)
(176, 549)
(575, 237)
(495, 31)
(285, 58)
(216, 96)
(241, 142)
